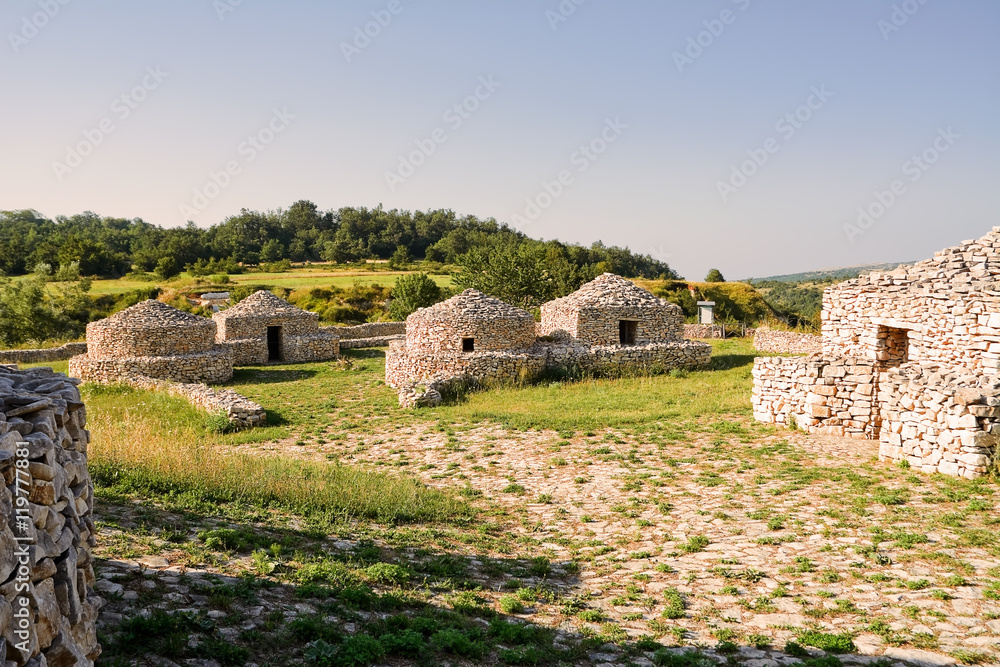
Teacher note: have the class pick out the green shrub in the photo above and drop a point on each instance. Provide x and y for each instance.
(831, 643)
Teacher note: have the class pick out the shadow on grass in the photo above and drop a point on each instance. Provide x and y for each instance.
(270, 375)
(725, 362)
(305, 596)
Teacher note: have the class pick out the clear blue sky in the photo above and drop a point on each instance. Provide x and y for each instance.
(655, 188)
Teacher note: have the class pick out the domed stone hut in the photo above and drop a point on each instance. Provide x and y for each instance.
(610, 310)
(154, 340)
(264, 328)
(470, 333)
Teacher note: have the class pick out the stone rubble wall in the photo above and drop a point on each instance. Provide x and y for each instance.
(378, 341)
(215, 365)
(369, 330)
(310, 347)
(248, 321)
(444, 335)
(247, 351)
(44, 409)
(41, 355)
(787, 342)
(415, 375)
(240, 327)
(702, 331)
(824, 395)
(241, 411)
(599, 326)
(939, 419)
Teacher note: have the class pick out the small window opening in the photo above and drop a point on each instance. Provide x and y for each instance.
(468, 345)
(626, 331)
(893, 347)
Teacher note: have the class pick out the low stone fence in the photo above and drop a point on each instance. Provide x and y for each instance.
(47, 354)
(939, 419)
(702, 331)
(369, 330)
(787, 342)
(825, 395)
(240, 410)
(421, 378)
(48, 610)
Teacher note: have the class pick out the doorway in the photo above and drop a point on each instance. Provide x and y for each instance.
(626, 331)
(274, 343)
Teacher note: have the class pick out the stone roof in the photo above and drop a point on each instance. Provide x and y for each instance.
(973, 266)
(472, 303)
(151, 314)
(610, 291)
(261, 303)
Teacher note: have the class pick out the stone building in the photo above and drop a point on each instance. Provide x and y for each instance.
(470, 333)
(610, 310)
(910, 357)
(608, 324)
(264, 328)
(153, 340)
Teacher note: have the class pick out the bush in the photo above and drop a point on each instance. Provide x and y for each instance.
(411, 292)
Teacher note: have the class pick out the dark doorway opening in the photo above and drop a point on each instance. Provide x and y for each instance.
(626, 331)
(468, 345)
(893, 347)
(274, 343)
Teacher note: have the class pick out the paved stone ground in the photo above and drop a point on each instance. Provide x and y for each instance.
(628, 507)
(787, 521)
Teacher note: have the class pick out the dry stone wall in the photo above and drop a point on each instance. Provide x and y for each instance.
(825, 395)
(787, 342)
(491, 325)
(48, 610)
(213, 366)
(939, 419)
(369, 330)
(702, 331)
(47, 354)
(239, 410)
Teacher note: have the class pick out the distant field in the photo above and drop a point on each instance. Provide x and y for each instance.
(294, 279)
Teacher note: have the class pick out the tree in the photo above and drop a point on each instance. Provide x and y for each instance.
(714, 276)
(167, 268)
(411, 292)
(272, 251)
(400, 259)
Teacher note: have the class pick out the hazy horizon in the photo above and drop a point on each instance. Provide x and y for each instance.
(621, 123)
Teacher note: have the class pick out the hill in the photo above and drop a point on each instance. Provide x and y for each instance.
(829, 275)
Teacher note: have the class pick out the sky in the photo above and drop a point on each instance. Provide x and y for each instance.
(759, 137)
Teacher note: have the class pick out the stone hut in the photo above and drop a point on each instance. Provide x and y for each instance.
(910, 357)
(264, 328)
(610, 310)
(154, 340)
(608, 324)
(470, 333)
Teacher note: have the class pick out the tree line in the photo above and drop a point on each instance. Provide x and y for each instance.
(114, 247)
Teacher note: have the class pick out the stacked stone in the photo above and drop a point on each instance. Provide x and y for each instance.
(650, 357)
(939, 419)
(702, 331)
(42, 422)
(241, 411)
(592, 313)
(824, 395)
(47, 354)
(155, 340)
(373, 334)
(243, 329)
(949, 307)
(787, 342)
